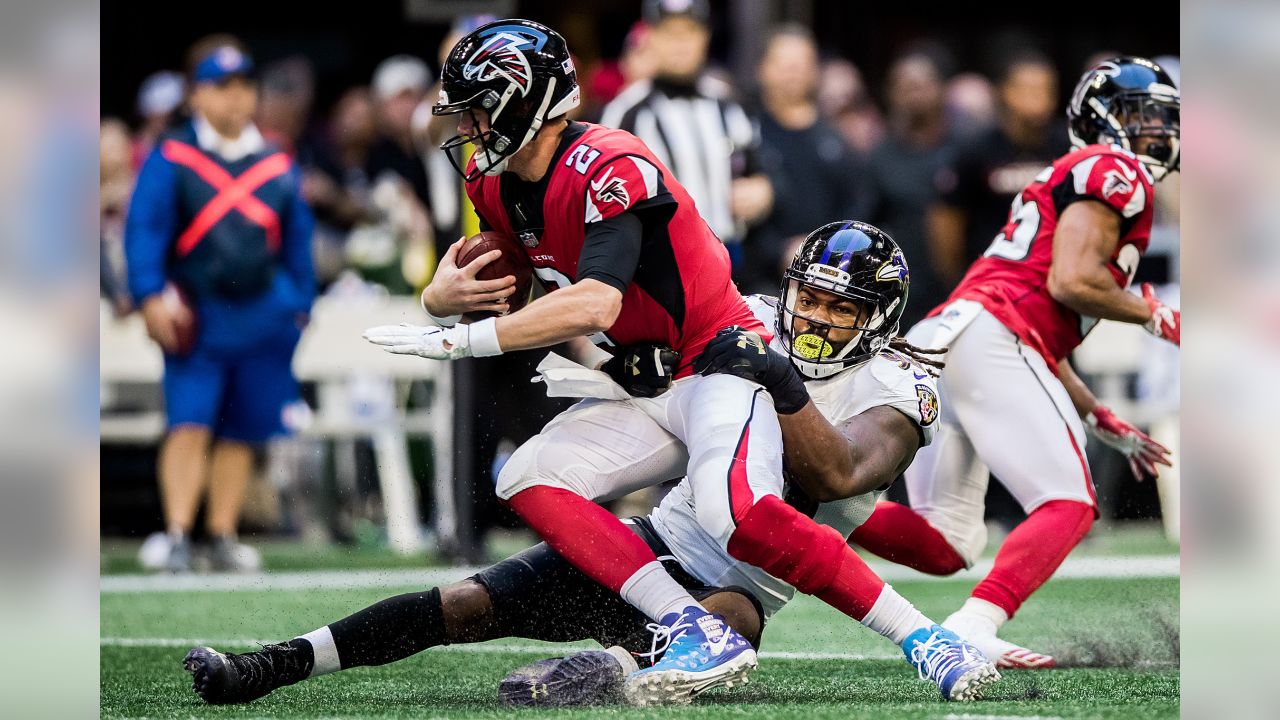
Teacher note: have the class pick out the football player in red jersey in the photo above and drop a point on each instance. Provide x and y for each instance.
(1011, 403)
(627, 261)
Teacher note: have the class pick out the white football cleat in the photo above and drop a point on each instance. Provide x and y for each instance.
(1005, 655)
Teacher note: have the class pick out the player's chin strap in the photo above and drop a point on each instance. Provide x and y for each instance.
(665, 634)
(539, 117)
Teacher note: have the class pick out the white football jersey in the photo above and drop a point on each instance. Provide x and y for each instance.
(887, 379)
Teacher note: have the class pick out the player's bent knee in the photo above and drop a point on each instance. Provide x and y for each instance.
(524, 470)
(739, 611)
(966, 539)
(776, 538)
(468, 611)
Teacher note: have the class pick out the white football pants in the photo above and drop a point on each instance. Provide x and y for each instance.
(1003, 410)
(719, 430)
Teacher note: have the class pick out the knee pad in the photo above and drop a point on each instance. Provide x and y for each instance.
(776, 538)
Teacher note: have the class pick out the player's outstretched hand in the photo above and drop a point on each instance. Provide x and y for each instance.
(428, 341)
(1139, 449)
(735, 351)
(643, 369)
(1165, 322)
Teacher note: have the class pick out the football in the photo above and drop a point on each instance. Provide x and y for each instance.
(514, 261)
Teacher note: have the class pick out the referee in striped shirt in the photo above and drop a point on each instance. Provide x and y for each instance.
(689, 122)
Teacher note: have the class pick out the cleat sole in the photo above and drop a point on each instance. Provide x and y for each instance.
(679, 687)
(973, 685)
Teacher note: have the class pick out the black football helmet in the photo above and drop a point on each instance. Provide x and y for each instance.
(1124, 98)
(519, 73)
(854, 260)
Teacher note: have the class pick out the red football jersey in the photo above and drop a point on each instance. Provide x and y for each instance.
(1011, 278)
(681, 293)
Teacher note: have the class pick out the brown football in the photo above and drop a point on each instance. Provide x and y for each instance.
(514, 261)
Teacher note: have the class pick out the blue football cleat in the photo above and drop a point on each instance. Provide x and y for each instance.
(699, 651)
(958, 668)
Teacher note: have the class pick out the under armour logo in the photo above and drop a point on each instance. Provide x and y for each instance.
(753, 340)
(537, 688)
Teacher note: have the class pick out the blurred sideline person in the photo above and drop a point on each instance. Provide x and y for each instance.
(848, 106)
(218, 247)
(1012, 405)
(865, 415)
(159, 97)
(690, 124)
(625, 257)
(814, 173)
(904, 168)
(993, 167)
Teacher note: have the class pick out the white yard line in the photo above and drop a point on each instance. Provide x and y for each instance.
(1155, 566)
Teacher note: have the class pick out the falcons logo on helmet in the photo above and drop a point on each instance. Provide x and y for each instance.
(501, 56)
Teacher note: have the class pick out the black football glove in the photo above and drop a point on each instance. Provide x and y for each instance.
(734, 351)
(643, 369)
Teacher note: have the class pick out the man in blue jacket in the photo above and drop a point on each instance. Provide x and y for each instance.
(218, 246)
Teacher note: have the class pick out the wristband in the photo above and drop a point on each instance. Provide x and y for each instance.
(482, 338)
(448, 321)
(789, 395)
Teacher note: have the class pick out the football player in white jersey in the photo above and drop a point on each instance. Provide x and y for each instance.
(855, 403)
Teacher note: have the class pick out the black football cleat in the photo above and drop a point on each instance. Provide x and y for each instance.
(591, 677)
(227, 678)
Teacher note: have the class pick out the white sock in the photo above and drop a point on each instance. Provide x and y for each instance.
(324, 650)
(981, 613)
(894, 617)
(655, 593)
(624, 658)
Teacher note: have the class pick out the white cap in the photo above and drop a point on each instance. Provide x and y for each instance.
(399, 73)
(161, 93)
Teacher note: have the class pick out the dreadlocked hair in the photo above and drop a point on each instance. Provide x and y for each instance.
(929, 358)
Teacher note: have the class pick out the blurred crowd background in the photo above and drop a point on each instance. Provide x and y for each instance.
(923, 123)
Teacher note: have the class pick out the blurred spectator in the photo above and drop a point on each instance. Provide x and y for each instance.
(399, 251)
(704, 139)
(639, 61)
(971, 104)
(636, 63)
(992, 167)
(115, 183)
(343, 200)
(845, 102)
(906, 167)
(400, 85)
(284, 117)
(159, 98)
(224, 280)
(814, 173)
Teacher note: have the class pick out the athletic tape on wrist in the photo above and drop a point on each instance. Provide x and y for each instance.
(483, 338)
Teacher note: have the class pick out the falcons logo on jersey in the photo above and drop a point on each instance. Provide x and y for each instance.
(501, 56)
(611, 189)
(1118, 180)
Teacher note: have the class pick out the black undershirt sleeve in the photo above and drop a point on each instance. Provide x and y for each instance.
(611, 251)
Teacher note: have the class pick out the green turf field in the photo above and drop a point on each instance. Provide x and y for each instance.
(1120, 636)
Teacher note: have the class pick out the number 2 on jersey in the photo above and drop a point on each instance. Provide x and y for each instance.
(1025, 217)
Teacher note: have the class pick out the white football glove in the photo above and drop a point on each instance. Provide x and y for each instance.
(429, 341)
